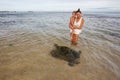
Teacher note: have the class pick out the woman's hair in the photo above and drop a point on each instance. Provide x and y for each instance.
(78, 11)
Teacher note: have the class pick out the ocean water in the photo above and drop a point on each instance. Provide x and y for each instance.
(26, 33)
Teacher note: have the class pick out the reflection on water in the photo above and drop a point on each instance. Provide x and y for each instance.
(26, 39)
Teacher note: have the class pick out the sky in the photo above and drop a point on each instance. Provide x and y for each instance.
(59, 5)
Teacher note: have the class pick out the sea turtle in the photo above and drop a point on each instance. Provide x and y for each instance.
(67, 54)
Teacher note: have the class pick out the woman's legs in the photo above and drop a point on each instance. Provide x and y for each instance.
(75, 39)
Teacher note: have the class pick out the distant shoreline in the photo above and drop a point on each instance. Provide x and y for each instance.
(69, 11)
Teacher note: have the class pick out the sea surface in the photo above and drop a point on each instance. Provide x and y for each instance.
(26, 39)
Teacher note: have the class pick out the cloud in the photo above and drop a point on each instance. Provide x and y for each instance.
(59, 5)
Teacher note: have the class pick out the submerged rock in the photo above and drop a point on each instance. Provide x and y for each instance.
(67, 54)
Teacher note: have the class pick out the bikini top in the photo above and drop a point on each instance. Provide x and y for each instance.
(78, 23)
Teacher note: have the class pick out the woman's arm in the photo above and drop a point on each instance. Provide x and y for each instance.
(71, 23)
(70, 26)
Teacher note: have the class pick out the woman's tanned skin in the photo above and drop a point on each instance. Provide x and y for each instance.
(76, 36)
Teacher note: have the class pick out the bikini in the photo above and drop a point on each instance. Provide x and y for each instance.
(77, 31)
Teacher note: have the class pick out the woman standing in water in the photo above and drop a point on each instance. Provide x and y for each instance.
(77, 27)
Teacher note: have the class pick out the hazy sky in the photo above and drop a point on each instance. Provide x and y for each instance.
(60, 5)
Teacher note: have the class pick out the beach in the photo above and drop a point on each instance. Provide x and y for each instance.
(26, 39)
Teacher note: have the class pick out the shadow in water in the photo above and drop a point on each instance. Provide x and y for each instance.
(67, 54)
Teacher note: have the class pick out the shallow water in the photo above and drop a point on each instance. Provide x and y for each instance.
(26, 39)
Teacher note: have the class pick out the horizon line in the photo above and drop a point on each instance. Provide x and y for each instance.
(49, 11)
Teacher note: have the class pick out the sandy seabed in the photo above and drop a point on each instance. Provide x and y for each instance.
(30, 59)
